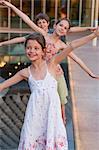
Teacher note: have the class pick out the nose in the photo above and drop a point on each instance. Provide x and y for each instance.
(31, 50)
(62, 28)
(41, 24)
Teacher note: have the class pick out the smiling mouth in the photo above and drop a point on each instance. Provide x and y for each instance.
(61, 32)
(31, 55)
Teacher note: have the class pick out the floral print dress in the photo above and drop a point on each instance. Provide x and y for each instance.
(43, 127)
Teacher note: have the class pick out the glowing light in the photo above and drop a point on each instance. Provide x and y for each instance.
(19, 63)
(16, 67)
(10, 73)
(2, 64)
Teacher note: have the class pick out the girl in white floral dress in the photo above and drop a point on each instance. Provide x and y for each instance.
(43, 127)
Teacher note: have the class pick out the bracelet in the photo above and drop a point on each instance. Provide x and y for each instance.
(70, 44)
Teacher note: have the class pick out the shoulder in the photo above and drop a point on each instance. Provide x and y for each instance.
(61, 45)
(25, 73)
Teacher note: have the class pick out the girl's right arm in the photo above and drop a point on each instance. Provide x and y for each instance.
(13, 41)
(19, 76)
(74, 44)
(81, 29)
(24, 17)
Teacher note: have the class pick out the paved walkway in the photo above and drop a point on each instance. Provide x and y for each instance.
(85, 98)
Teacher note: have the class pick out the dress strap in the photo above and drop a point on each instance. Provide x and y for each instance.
(47, 71)
(29, 70)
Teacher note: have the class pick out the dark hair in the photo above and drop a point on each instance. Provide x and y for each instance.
(64, 19)
(38, 37)
(63, 9)
(41, 16)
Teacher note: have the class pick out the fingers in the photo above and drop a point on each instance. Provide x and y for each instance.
(64, 121)
(93, 76)
(2, 2)
(97, 31)
(97, 78)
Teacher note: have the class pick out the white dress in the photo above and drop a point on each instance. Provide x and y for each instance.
(43, 127)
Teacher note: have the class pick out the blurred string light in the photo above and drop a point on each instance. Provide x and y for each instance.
(10, 73)
(17, 60)
(19, 63)
(2, 64)
(9, 59)
(2, 61)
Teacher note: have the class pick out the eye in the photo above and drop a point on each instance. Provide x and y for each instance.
(61, 25)
(66, 28)
(39, 22)
(28, 47)
(43, 21)
(36, 48)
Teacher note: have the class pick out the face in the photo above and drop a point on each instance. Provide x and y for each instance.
(62, 28)
(42, 23)
(50, 51)
(34, 50)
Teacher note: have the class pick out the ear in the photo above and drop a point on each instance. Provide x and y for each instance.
(68, 31)
(48, 23)
(54, 26)
(44, 53)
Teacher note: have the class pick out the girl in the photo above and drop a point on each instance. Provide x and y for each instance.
(43, 127)
(61, 29)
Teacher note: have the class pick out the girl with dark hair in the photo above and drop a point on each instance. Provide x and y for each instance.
(43, 127)
(61, 28)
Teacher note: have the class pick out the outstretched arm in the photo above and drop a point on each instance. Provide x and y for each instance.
(13, 41)
(82, 65)
(24, 17)
(81, 29)
(74, 44)
(11, 81)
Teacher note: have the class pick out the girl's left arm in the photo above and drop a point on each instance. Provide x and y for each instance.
(82, 65)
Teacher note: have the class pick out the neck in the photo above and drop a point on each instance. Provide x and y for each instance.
(46, 30)
(37, 65)
(55, 36)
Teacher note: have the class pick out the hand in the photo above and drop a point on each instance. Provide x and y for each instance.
(63, 114)
(94, 76)
(59, 70)
(0, 44)
(1, 89)
(5, 3)
(2, 2)
(97, 31)
(92, 28)
(64, 120)
(97, 78)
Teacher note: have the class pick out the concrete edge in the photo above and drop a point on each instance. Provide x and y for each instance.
(77, 140)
